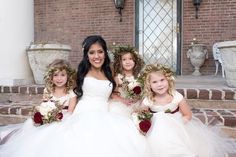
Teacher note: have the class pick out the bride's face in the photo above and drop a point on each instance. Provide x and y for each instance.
(96, 56)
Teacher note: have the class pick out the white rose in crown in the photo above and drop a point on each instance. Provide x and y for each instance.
(46, 107)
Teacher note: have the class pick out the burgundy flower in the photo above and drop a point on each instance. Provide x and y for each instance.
(137, 90)
(59, 116)
(38, 118)
(145, 125)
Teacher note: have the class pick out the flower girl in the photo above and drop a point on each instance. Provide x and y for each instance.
(127, 65)
(59, 84)
(174, 132)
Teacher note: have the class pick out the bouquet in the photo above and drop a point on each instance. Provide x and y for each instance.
(142, 120)
(47, 112)
(133, 88)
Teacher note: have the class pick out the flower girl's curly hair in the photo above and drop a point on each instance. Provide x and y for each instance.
(57, 66)
(157, 68)
(119, 51)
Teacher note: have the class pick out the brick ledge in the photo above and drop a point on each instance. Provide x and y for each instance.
(191, 93)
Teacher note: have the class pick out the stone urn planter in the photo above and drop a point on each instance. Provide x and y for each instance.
(228, 56)
(197, 54)
(41, 55)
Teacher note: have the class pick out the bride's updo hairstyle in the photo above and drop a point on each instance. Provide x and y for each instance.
(85, 65)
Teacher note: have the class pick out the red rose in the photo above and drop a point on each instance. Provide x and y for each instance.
(59, 116)
(38, 118)
(145, 125)
(137, 90)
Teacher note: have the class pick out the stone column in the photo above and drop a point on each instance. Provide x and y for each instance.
(17, 31)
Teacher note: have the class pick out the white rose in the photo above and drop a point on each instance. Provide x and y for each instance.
(133, 84)
(130, 79)
(46, 107)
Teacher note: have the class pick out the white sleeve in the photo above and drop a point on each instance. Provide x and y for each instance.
(146, 102)
(178, 97)
(72, 94)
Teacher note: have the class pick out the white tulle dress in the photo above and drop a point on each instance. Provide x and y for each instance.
(169, 136)
(91, 131)
(9, 130)
(118, 107)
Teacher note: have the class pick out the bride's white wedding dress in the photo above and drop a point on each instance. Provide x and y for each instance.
(91, 131)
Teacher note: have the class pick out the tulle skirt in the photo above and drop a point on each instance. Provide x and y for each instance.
(120, 108)
(169, 136)
(88, 134)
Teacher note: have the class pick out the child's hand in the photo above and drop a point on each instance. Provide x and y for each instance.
(185, 120)
(128, 102)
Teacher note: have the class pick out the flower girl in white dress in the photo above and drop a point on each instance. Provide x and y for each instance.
(91, 131)
(174, 132)
(127, 66)
(59, 84)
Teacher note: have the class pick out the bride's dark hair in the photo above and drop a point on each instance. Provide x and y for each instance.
(85, 65)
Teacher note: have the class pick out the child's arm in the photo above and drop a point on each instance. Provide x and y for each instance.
(185, 110)
(116, 95)
(72, 104)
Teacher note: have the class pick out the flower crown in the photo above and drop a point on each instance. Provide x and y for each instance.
(52, 70)
(119, 50)
(155, 68)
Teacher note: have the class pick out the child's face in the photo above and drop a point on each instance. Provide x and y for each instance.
(59, 78)
(96, 56)
(159, 83)
(127, 62)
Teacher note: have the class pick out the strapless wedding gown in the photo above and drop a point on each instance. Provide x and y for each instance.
(91, 131)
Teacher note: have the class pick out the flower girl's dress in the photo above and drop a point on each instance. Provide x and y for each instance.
(7, 131)
(169, 136)
(91, 131)
(118, 107)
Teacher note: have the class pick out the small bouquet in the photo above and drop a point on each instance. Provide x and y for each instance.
(142, 120)
(132, 88)
(47, 112)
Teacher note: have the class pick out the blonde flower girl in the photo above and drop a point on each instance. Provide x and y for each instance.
(174, 131)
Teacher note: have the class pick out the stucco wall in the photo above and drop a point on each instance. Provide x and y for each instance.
(16, 29)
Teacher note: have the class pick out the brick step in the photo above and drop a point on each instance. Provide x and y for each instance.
(223, 112)
(189, 93)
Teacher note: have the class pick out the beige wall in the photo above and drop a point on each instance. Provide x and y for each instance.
(17, 31)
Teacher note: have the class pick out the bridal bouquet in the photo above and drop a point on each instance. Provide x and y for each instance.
(47, 112)
(142, 120)
(132, 88)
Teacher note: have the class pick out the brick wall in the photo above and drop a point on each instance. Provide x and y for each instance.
(216, 22)
(70, 21)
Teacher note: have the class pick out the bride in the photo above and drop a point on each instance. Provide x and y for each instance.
(91, 130)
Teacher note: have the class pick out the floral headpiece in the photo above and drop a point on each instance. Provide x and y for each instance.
(166, 71)
(155, 68)
(118, 51)
(59, 65)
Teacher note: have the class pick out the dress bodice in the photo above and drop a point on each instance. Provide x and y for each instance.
(172, 106)
(64, 99)
(120, 82)
(95, 95)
